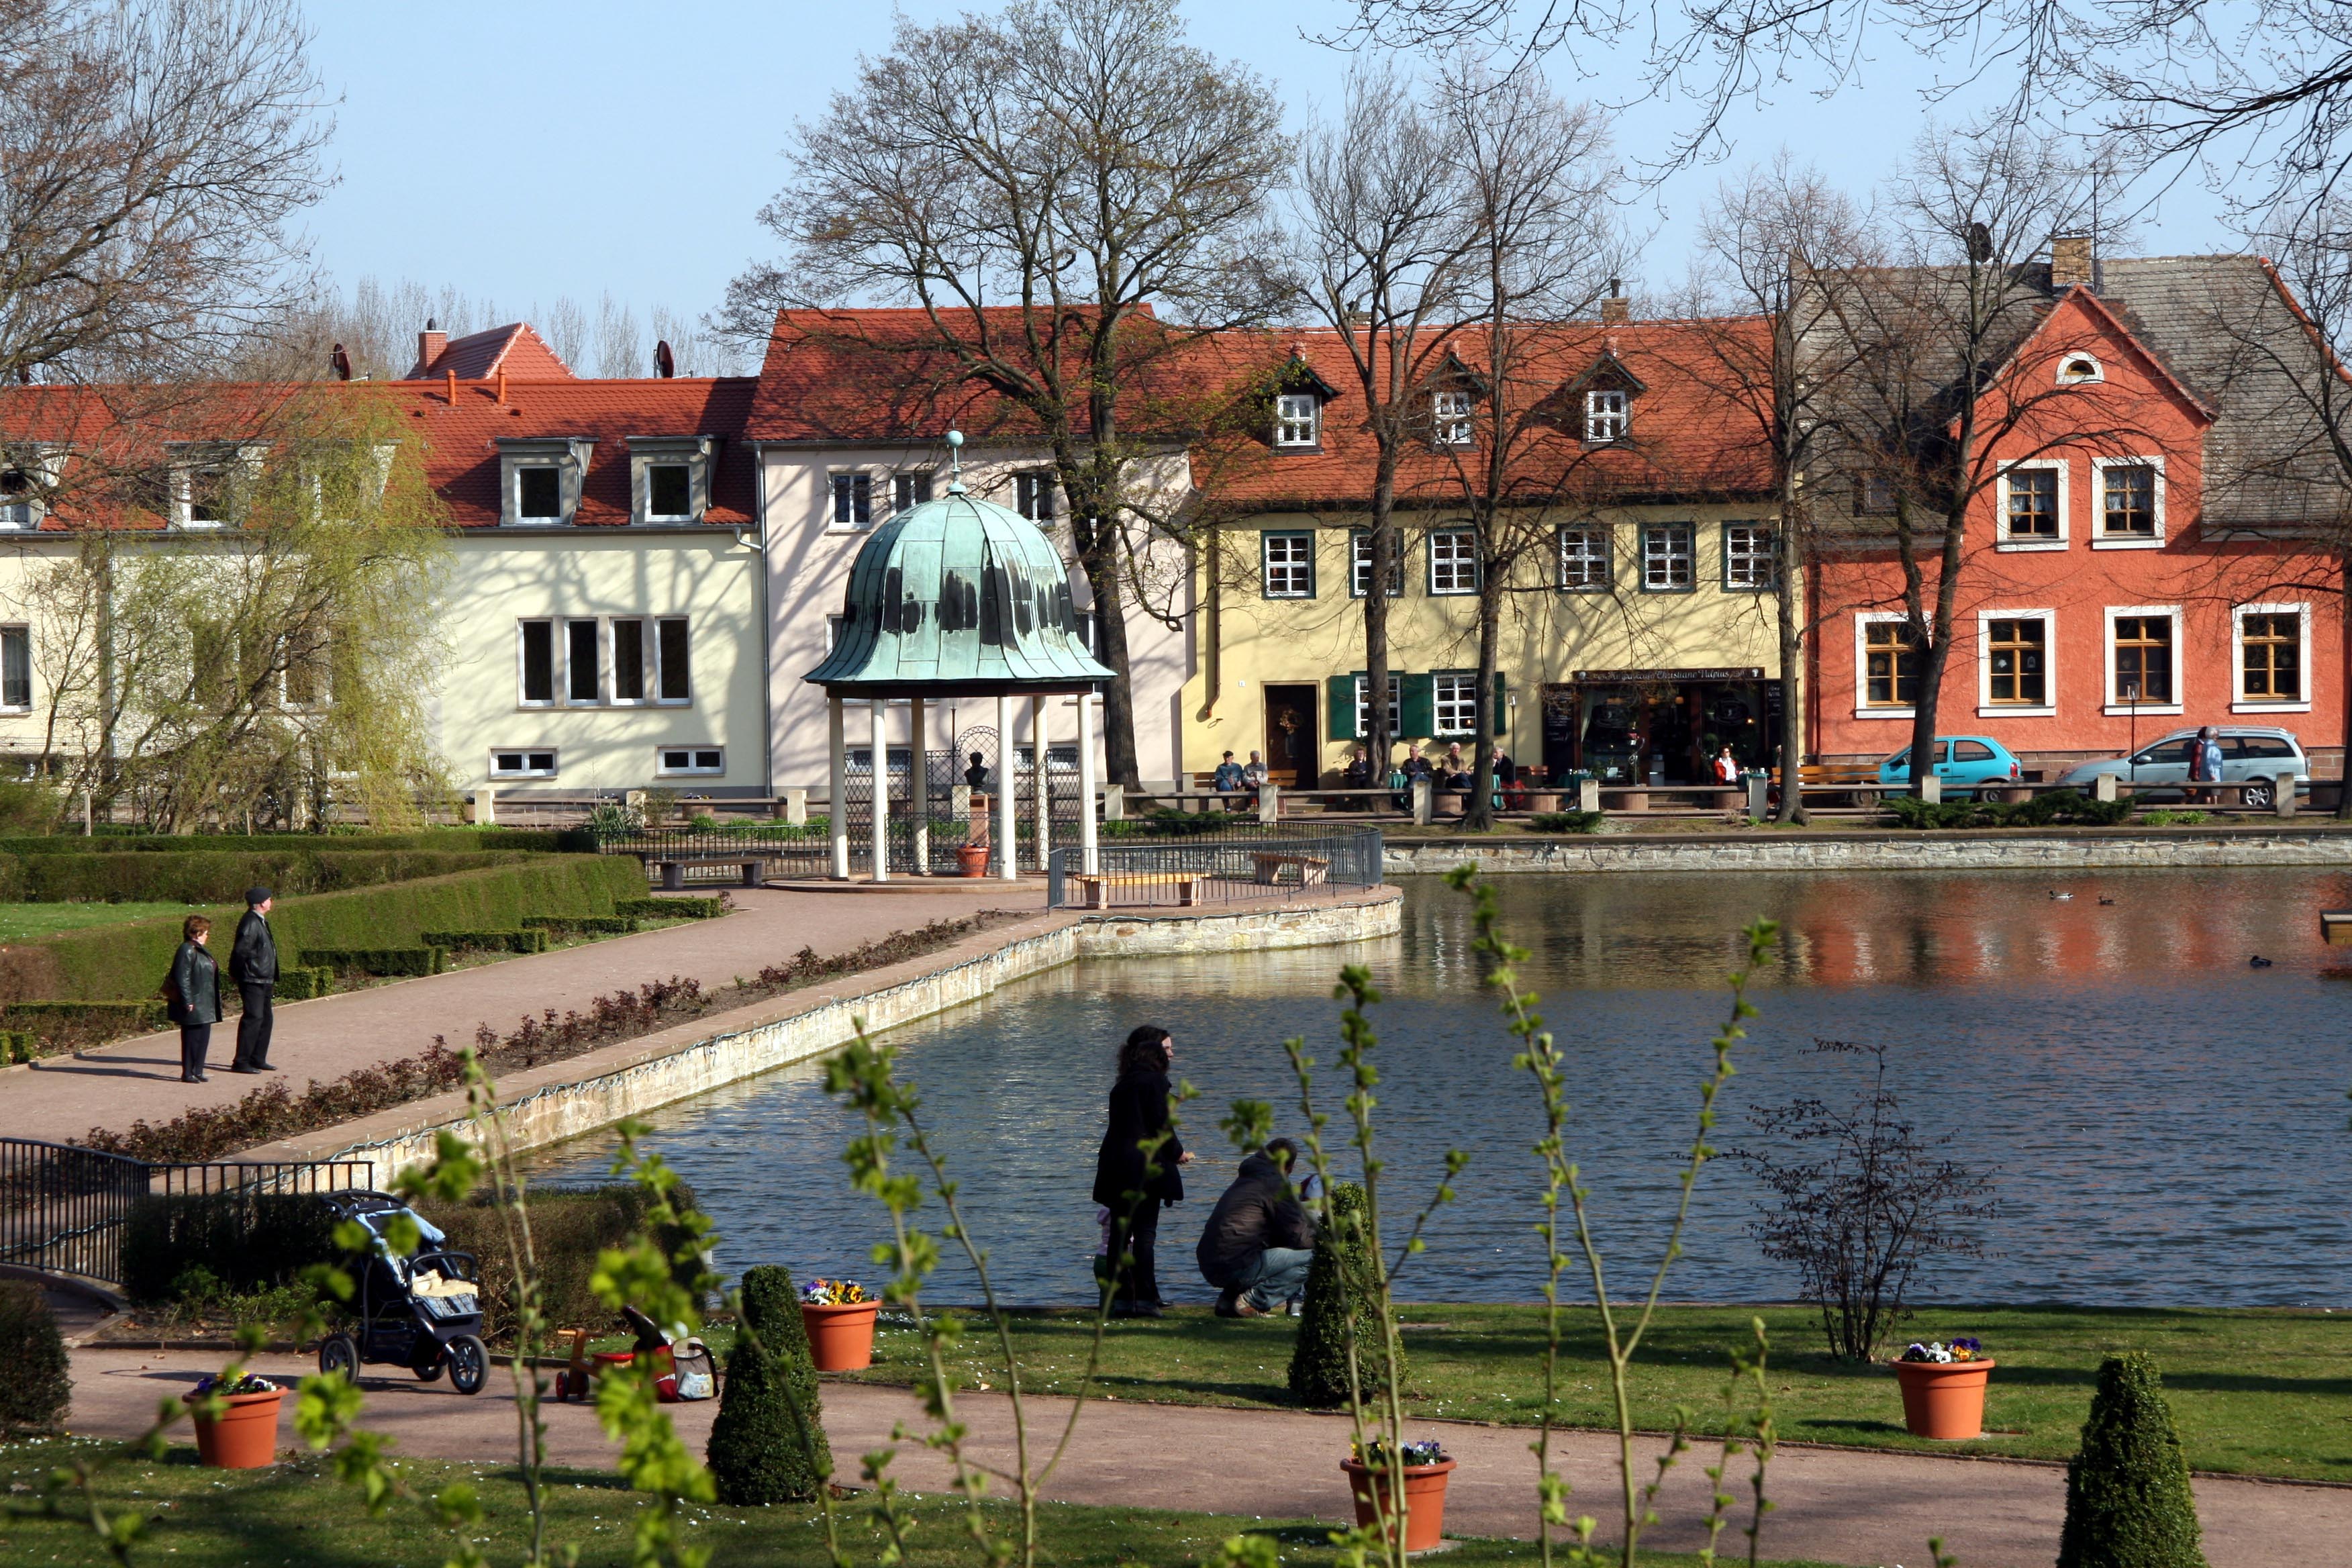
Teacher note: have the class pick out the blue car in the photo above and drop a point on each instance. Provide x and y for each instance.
(1967, 763)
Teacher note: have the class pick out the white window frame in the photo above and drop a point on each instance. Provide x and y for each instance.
(835, 499)
(1297, 421)
(1286, 539)
(1770, 558)
(1359, 562)
(2100, 538)
(1689, 533)
(40, 466)
(32, 676)
(1451, 416)
(598, 636)
(648, 661)
(2237, 701)
(555, 762)
(1608, 414)
(568, 455)
(1607, 557)
(1438, 703)
(1364, 709)
(663, 769)
(1456, 569)
(1863, 707)
(1986, 707)
(554, 697)
(1034, 495)
(692, 453)
(515, 472)
(2065, 377)
(2001, 541)
(911, 481)
(2180, 675)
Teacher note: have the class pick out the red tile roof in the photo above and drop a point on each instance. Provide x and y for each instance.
(514, 348)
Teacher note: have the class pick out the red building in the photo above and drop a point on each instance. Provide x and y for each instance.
(2157, 547)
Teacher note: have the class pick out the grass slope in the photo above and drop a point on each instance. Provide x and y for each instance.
(297, 1514)
(28, 922)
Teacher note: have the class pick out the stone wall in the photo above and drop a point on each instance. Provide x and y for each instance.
(1878, 852)
(568, 1099)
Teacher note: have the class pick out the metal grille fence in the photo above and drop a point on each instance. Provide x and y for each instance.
(63, 1209)
(1213, 870)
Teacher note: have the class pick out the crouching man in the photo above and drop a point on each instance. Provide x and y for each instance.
(1258, 1241)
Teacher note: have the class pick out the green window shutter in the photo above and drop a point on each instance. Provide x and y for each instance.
(1417, 714)
(1502, 707)
(1340, 700)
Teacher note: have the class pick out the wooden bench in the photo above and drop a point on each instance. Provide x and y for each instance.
(1832, 774)
(671, 869)
(1313, 870)
(1094, 887)
(2336, 927)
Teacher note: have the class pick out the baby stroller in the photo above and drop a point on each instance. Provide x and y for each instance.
(423, 1312)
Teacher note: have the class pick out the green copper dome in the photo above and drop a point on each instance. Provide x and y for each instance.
(956, 597)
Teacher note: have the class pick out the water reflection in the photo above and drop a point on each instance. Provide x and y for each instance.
(2168, 1124)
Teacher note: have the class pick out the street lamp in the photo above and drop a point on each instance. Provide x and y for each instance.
(2131, 697)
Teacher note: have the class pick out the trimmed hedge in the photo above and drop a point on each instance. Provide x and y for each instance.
(35, 1386)
(1342, 1282)
(427, 960)
(568, 1228)
(19, 1046)
(248, 1242)
(529, 840)
(130, 959)
(300, 983)
(2128, 1503)
(531, 938)
(767, 1445)
(116, 1018)
(200, 877)
(600, 925)
(667, 909)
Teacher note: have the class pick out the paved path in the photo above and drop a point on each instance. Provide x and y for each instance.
(116, 1085)
(1832, 1505)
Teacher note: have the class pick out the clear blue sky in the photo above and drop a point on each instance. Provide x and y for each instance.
(520, 150)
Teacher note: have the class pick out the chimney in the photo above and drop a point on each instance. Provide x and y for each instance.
(429, 344)
(2071, 262)
(1616, 309)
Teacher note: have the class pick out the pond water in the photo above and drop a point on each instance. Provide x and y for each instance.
(2166, 1123)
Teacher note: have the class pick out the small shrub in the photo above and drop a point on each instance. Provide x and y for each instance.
(2057, 807)
(530, 939)
(1342, 1283)
(35, 1386)
(20, 1046)
(767, 1444)
(381, 961)
(1567, 821)
(2129, 1504)
(670, 909)
(302, 982)
(2164, 818)
(236, 1242)
(274, 1110)
(568, 1228)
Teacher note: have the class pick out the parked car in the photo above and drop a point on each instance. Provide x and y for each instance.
(2249, 754)
(1965, 763)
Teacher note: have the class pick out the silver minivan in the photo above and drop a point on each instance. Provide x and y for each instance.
(2250, 754)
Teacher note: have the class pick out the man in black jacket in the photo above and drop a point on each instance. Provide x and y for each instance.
(1258, 1241)
(253, 964)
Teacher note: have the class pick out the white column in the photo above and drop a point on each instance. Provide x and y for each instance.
(1041, 797)
(1008, 860)
(919, 789)
(836, 798)
(880, 710)
(1090, 857)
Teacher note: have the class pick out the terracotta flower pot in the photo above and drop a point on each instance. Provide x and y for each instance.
(1944, 1399)
(840, 1339)
(971, 860)
(1424, 1497)
(244, 1437)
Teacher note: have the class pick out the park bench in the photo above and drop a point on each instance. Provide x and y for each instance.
(1313, 869)
(671, 867)
(1095, 886)
(2336, 927)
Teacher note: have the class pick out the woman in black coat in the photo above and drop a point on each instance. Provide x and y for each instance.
(192, 998)
(1134, 1186)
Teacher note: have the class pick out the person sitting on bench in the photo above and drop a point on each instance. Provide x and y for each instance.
(1258, 1240)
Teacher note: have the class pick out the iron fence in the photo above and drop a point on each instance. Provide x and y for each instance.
(63, 1209)
(1213, 870)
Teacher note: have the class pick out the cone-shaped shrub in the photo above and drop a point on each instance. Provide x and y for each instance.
(767, 1444)
(1342, 1278)
(35, 1386)
(2127, 1498)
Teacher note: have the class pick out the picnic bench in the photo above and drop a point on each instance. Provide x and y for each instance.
(1313, 869)
(1095, 886)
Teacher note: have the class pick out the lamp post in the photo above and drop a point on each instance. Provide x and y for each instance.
(2131, 699)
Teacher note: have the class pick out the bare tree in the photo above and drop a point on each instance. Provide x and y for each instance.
(1038, 182)
(622, 348)
(150, 154)
(1538, 184)
(1381, 232)
(1783, 242)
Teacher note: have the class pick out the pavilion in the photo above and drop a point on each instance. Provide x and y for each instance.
(957, 598)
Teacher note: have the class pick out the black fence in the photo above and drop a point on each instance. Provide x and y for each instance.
(1213, 870)
(63, 1209)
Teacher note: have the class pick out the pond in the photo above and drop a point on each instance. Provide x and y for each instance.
(2166, 1123)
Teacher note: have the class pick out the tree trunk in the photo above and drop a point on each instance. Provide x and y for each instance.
(2343, 655)
(1378, 741)
(1100, 565)
(1480, 815)
(1788, 611)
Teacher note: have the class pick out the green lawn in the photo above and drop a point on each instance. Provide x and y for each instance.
(297, 1516)
(25, 923)
(2256, 1392)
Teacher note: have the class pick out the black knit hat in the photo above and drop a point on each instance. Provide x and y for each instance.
(254, 897)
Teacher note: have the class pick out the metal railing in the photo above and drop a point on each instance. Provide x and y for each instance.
(1213, 870)
(63, 1210)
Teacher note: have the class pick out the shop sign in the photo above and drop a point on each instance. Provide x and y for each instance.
(1639, 676)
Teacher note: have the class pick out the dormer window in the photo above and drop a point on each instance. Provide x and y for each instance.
(1450, 419)
(1297, 419)
(207, 477)
(1606, 413)
(20, 503)
(2075, 369)
(540, 478)
(669, 478)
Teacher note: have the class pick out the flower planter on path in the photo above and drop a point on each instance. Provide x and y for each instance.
(840, 1337)
(1424, 1497)
(245, 1435)
(1944, 1400)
